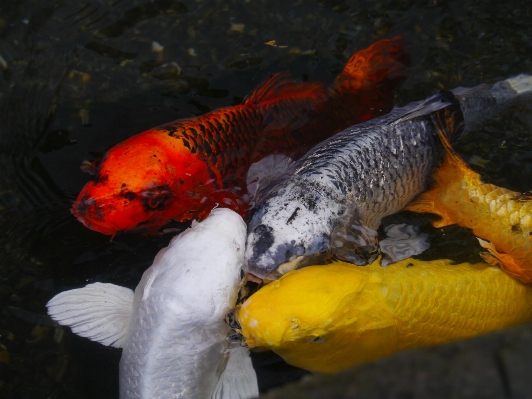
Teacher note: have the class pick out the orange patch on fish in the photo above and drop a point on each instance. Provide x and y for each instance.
(501, 216)
(181, 170)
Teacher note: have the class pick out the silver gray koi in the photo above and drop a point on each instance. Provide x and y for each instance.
(331, 201)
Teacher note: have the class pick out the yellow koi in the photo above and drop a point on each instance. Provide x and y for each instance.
(501, 216)
(329, 318)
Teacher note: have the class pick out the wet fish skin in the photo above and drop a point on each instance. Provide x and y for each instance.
(172, 329)
(334, 198)
(493, 213)
(328, 318)
(183, 169)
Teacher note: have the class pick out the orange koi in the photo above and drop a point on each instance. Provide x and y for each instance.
(181, 170)
(501, 216)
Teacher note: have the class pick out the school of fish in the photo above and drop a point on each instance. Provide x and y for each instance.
(329, 318)
(183, 169)
(320, 185)
(331, 201)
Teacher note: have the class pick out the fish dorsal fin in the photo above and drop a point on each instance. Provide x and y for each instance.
(98, 311)
(265, 174)
(433, 103)
(449, 122)
(453, 171)
(384, 60)
(281, 86)
(238, 379)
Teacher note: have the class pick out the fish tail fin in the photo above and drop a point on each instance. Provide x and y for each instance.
(282, 87)
(238, 379)
(385, 61)
(505, 261)
(521, 84)
(484, 102)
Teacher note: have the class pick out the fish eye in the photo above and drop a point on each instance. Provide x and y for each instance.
(155, 202)
(156, 199)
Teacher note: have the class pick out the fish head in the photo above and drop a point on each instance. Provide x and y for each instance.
(142, 184)
(300, 312)
(291, 228)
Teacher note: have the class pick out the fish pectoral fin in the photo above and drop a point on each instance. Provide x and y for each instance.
(425, 203)
(99, 311)
(505, 262)
(265, 174)
(402, 241)
(238, 379)
(281, 87)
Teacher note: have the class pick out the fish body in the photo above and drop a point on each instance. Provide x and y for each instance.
(181, 170)
(493, 213)
(172, 329)
(329, 318)
(332, 200)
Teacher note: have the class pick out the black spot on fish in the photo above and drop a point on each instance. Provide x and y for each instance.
(83, 205)
(517, 229)
(264, 239)
(99, 179)
(129, 195)
(292, 217)
(157, 199)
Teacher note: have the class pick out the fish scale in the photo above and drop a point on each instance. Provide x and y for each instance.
(494, 213)
(203, 161)
(361, 175)
(348, 315)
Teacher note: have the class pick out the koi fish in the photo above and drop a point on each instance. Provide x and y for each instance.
(331, 202)
(502, 216)
(328, 318)
(181, 170)
(172, 330)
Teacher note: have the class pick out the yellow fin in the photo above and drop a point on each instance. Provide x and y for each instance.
(427, 203)
(505, 262)
(452, 171)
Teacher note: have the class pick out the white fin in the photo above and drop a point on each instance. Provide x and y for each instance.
(521, 84)
(262, 174)
(99, 311)
(402, 241)
(238, 380)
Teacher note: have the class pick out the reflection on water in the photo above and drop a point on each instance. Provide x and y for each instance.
(79, 77)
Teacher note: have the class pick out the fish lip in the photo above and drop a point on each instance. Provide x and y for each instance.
(83, 216)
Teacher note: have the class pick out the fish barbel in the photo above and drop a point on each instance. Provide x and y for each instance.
(181, 170)
(332, 200)
(172, 328)
(329, 318)
(502, 216)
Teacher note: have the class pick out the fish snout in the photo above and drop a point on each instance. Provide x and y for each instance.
(91, 213)
(270, 258)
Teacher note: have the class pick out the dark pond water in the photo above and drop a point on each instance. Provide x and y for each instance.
(77, 77)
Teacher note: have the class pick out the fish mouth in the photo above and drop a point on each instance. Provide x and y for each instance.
(285, 267)
(89, 222)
